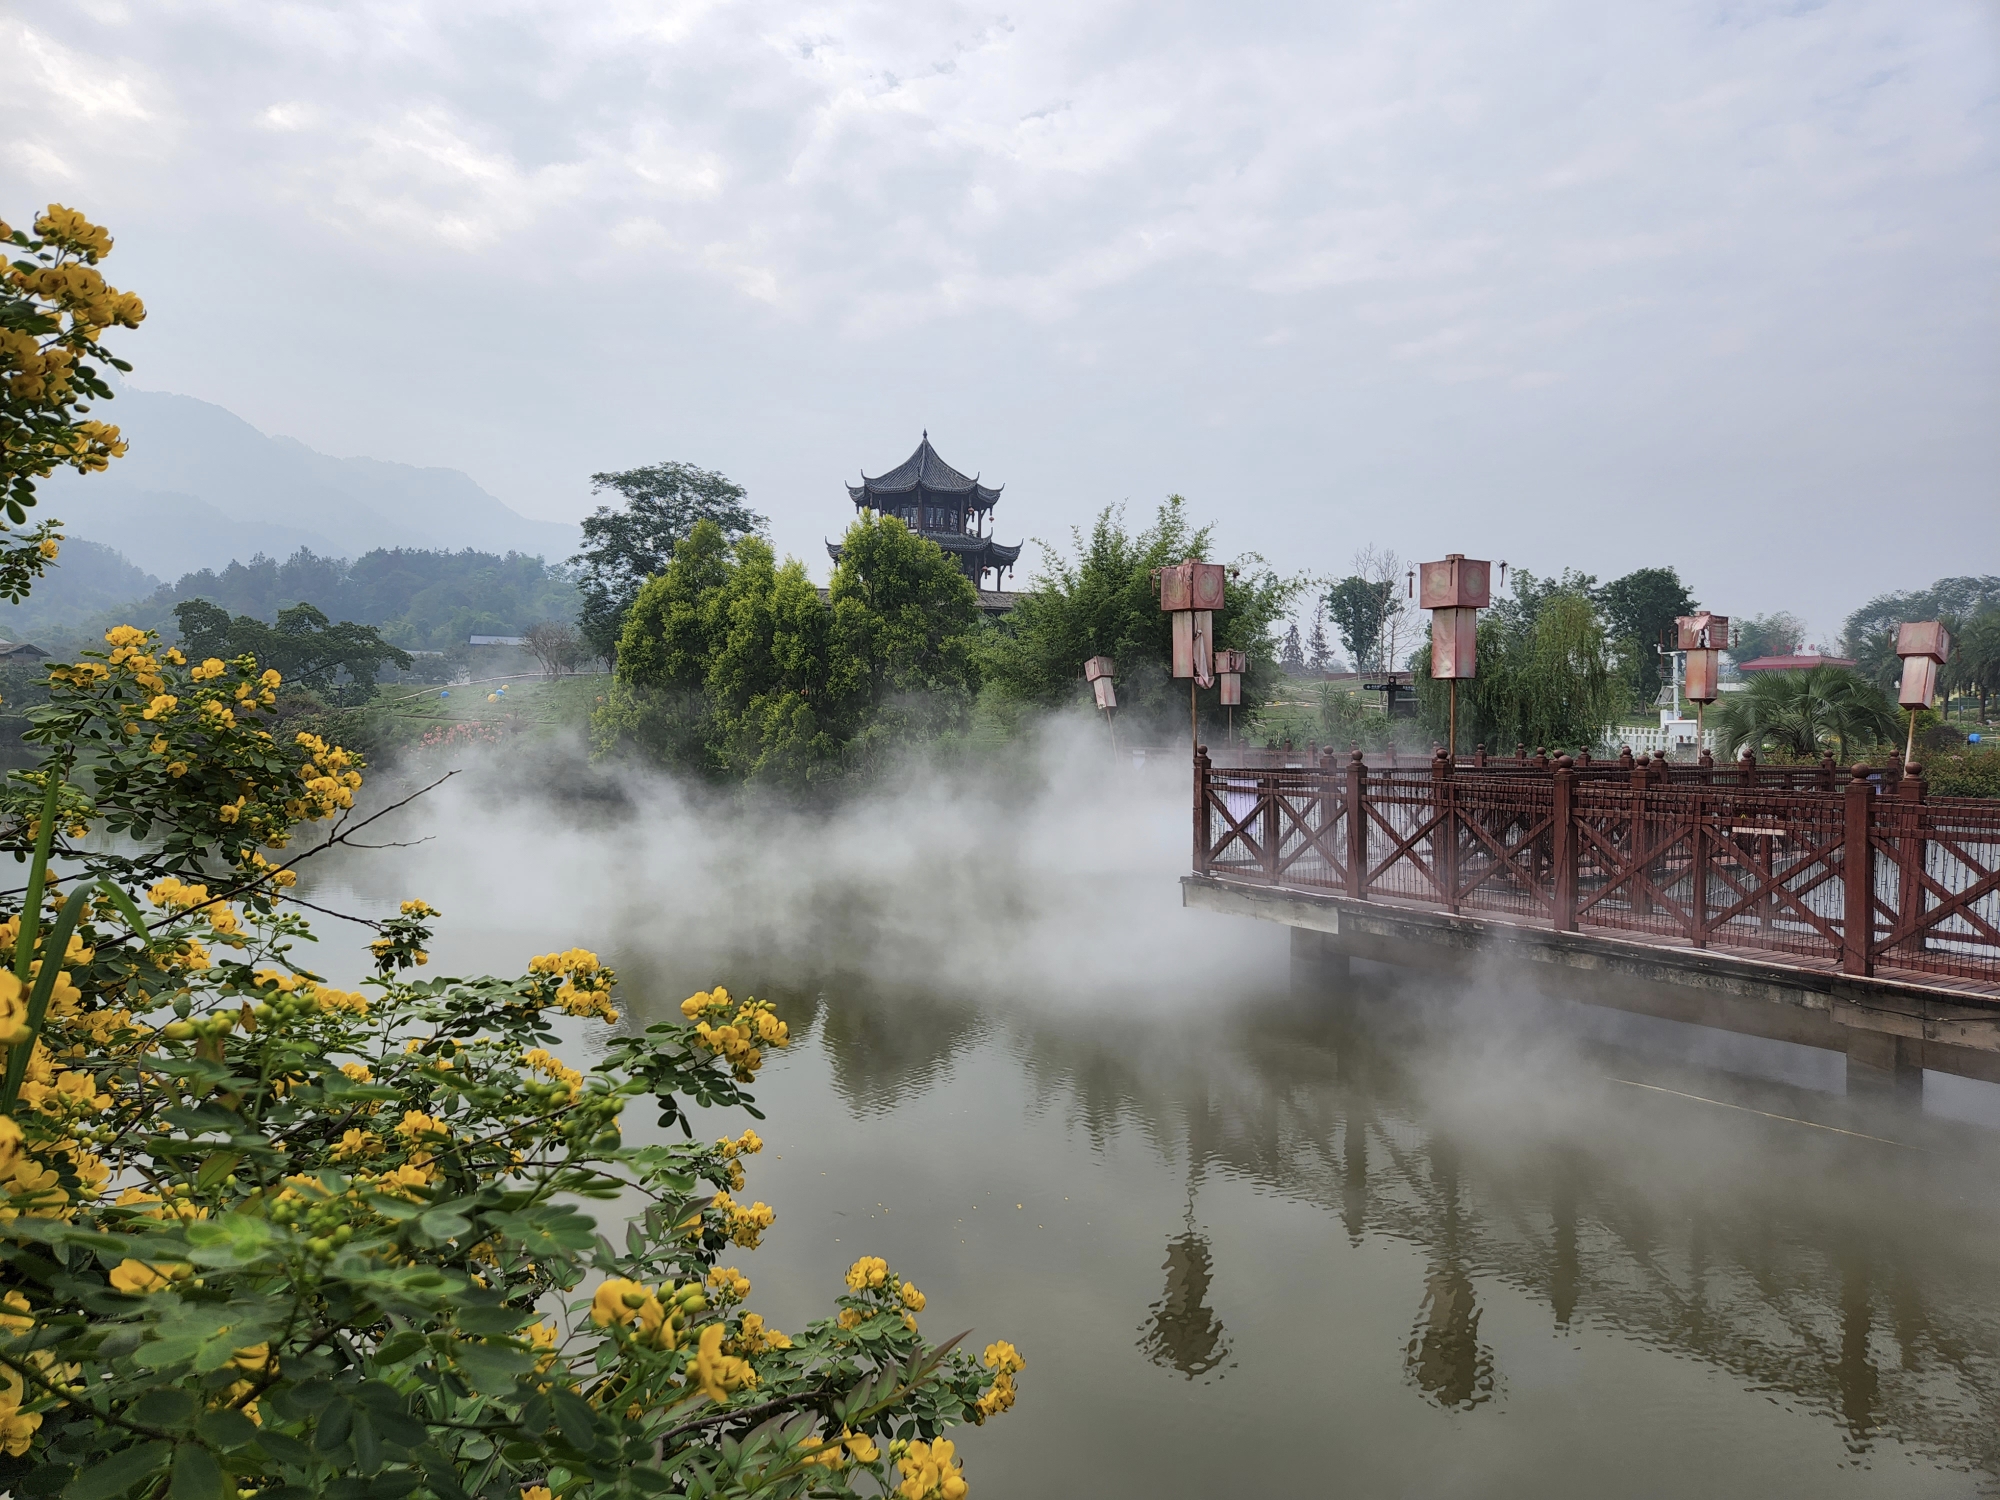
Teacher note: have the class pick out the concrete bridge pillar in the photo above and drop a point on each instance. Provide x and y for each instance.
(1317, 966)
(1881, 1066)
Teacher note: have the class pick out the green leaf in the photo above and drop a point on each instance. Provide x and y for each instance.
(226, 1427)
(165, 1406)
(442, 1224)
(367, 1444)
(491, 1368)
(574, 1419)
(218, 1166)
(118, 1473)
(197, 1475)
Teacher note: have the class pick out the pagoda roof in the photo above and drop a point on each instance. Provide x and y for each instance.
(982, 550)
(924, 470)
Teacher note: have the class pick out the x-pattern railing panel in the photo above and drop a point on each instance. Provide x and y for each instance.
(1754, 865)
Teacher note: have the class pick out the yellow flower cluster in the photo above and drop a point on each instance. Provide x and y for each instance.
(17, 1427)
(1003, 1358)
(833, 1453)
(720, 1373)
(931, 1471)
(138, 1277)
(355, 1144)
(730, 1284)
(753, 1337)
(554, 1069)
(330, 999)
(655, 1318)
(867, 1273)
(417, 1125)
(737, 1039)
(744, 1226)
(586, 986)
(330, 780)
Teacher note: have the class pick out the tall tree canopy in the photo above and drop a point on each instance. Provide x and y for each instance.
(1546, 673)
(308, 650)
(1777, 634)
(1358, 607)
(1963, 597)
(1101, 601)
(1640, 610)
(628, 543)
(731, 665)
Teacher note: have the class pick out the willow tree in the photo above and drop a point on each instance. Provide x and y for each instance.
(1545, 675)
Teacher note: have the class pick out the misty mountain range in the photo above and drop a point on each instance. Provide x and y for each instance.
(202, 487)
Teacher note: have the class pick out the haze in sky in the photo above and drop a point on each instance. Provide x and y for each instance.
(1709, 284)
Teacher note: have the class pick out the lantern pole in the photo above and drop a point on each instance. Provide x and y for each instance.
(1451, 684)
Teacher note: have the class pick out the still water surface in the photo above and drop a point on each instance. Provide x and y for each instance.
(1253, 1239)
(1305, 1248)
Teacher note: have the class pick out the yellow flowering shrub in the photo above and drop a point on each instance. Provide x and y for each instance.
(54, 305)
(261, 1236)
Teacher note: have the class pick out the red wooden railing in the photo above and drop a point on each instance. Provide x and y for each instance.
(1857, 869)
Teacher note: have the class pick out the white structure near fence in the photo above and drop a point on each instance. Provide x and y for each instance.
(1673, 735)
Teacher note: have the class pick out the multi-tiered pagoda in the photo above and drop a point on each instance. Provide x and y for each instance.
(937, 502)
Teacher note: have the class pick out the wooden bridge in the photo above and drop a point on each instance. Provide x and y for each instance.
(1836, 906)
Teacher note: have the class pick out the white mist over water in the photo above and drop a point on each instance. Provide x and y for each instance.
(1052, 877)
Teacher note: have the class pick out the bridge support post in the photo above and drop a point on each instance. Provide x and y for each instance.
(1357, 827)
(1318, 967)
(1201, 809)
(1884, 1067)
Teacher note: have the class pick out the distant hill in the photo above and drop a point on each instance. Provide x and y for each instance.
(201, 487)
(421, 600)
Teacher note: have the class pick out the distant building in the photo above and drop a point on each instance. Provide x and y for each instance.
(499, 640)
(941, 505)
(20, 651)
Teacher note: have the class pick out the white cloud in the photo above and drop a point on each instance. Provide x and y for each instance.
(1595, 233)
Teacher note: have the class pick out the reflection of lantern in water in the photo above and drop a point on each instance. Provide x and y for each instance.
(1445, 1357)
(1183, 1333)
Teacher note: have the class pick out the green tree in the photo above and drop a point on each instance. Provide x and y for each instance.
(1803, 713)
(624, 545)
(339, 661)
(1777, 634)
(1102, 601)
(1975, 659)
(733, 667)
(1546, 673)
(1356, 606)
(1640, 610)
(1963, 596)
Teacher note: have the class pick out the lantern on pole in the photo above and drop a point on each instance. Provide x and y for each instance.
(1097, 672)
(1454, 591)
(1924, 645)
(1191, 592)
(1703, 637)
(1230, 665)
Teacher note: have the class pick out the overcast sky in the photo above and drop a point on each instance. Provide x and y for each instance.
(1572, 284)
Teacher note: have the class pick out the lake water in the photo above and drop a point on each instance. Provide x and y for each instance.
(1392, 1242)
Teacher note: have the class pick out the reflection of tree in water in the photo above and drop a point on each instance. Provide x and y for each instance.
(886, 1046)
(1183, 1333)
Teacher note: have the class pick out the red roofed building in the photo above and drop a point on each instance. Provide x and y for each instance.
(1791, 663)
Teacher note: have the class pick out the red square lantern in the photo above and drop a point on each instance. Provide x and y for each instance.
(1107, 696)
(1191, 585)
(1923, 638)
(1455, 643)
(1703, 632)
(1704, 670)
(1097, 667)
(1194, 645)
(1230, 665)
(1458, 582)
(1919, 688)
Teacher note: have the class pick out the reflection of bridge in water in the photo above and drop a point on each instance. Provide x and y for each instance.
(1816, 1269)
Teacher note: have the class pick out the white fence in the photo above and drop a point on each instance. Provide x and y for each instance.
(1645, 738)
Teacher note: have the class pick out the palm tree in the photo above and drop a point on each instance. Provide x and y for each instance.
(1975, 659)
(1804, 713)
